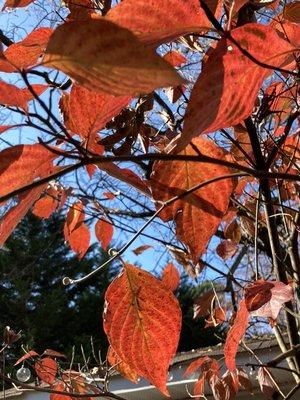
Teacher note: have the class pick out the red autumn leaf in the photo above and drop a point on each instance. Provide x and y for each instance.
(5, 128)
(80, 10)
(244, 380)
(127, 176)
(30, 354)
(75, 217)
(165, 21)
(14, 215)
(226, 90)
(16, 3)
(127, 69)
(280, 294)
(266, 383)
(47, 204)
(199, 387)
(291, 12)
(62, 387)
(219, 388)
(76, 232)
(53, 353)
(26, 53)
(175, 58)
(171, 277)
(86, 112)
(109, 195)
(257, 294)
(46, 369)
(233, 232)
(12, 96)
(104, 232)
(226, 249)
(139, 250)
(235, 335)
(206, 364)
(22, 164)
(198, 214)
(142, 320)
(203, 305)
(120, 366)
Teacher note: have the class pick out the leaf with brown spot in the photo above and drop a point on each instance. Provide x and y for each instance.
(227, 87)
(120, 366)
(26, 53)
(198, 214)
(84, 50)
(142, 320)
(104, 232)
(171, 277)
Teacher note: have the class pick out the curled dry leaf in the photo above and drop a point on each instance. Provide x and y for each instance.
(171, 277)
(235, 335)
(46, 369)
(142, 320)
(120, 366)
(199, 213)
(84, 50)
(30, 354)
(139, 250)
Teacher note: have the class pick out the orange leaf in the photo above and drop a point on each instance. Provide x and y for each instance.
(27, 52)
(198, 214)
(14, 215)
(171, 277)
(16, 3)
(227, 88)
(5, 128)
(127, 68)
(79, 239)
(139, 250)
(235, 335)
(46, 369)
(60, 386)
(12, 96)
(86, 112)
(120, 366)
(175, 58)
(166, 21)
(47, 204)
(30, 354)
(142, 320)
(104, 232)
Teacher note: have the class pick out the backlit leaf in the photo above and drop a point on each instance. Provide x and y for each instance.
(175, 58)
(171, 277)
(291, 11)
(166, 21)
(102, 56)
(86, 112)
(235, 335)
(226, 89)
(27, 52)
(104, 232)
(120, 366)
(47, 204)
(46, 369)
(16, 3)
(198, 214)
(12, 96)
(142, 320)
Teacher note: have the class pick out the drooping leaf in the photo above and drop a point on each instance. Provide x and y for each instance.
(120, 366)
(203, 305)
(46, 369)
(15, 214)
(226, 89)
(280, 294)
(198, 214)
(171, 277)
(165, 21)
(219, 388)
(206, 364)
(76, 232)
(26, 53)
(29, 354)
(86, 112)
(235, 335)
(11, 95)
(266, 383)
(142, 320)
(104, 232)
(127, 68)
